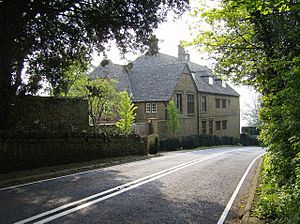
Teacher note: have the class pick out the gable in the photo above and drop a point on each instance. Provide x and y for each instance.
(154, 78)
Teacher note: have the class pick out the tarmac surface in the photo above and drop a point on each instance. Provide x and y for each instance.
(187, 187)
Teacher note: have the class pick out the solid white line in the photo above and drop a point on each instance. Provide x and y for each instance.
(229, 204)
(122, 187)
(94, 170)
(64, 213)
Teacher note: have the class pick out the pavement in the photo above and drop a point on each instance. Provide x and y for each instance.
(187, 187)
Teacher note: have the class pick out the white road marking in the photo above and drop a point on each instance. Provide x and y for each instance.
(95, 170)
(116, 190)
(229, 204)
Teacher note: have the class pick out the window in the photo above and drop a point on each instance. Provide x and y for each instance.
(224, 124)
(211, 127)
(190, 103)
(210, 80)
(218, 103)
(151, 108)
(223, 103)
(218, 125)
(179, 102)
(154, 107)
(148, 108)
(223, 84)
(203, 103)
(204, 127)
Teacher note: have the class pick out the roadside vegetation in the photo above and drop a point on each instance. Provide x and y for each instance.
(49, 39)
(257, 43)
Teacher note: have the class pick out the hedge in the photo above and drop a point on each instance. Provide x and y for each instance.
(194, 141)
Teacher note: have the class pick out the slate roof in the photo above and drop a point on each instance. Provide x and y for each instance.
(115, 72)
(201, 74)
(153, 78)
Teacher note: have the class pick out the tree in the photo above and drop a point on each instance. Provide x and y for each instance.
(257, 43)
(49, 36)
(126, 110)
(173, 120)
(102, 98)
(72, 76)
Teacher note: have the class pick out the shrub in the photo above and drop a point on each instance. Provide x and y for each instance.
(171, 144)
(194, 141)
(189, 142)
(152, 144)
(279, 203)
(248, 140)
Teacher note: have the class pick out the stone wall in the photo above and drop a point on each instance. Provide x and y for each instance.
(25, 152)
(33, 112)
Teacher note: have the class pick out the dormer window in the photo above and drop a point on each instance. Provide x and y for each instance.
(223, 84)
(210, 80)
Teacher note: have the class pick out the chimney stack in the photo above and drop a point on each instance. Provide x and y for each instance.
(182, 54)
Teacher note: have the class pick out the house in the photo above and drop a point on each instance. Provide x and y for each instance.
(206, 104)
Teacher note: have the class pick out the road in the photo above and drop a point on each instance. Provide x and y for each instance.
(188, 187)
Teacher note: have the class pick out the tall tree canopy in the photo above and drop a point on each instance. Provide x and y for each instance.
(49, 36)
(257, 42)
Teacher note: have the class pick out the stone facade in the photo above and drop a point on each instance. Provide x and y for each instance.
(155, 80)
(188, 121)
(143, 116)
(224, 115)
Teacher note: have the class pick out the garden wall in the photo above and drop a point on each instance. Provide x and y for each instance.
(25, 151)
(49, 113)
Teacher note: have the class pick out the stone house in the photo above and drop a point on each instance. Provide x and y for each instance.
(206, 104)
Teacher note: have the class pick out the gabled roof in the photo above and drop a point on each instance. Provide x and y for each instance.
(153, 78)
(201, 74)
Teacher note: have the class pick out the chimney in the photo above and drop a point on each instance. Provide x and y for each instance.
(182, 54)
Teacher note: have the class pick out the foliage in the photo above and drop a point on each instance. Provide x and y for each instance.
(194, 141)
(279, 204)
(103, 99)
(126, 110)
(173, 120)
(153, 46)
(257, 43)
(71, 83)
(47, 37)
(152, 144)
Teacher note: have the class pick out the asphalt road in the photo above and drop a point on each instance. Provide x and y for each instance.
(189, 187)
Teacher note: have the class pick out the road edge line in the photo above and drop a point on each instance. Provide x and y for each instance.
(84, 172)
(236, 191)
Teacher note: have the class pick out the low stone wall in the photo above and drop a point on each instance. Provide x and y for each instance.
(23, 152)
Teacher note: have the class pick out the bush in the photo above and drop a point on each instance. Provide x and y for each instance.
(194, 141)
(248, 140)
(276, 202)
(191, 141)
(152, 144)
(171, 144)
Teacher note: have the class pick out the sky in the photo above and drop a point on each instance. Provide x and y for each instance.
(169, 34)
